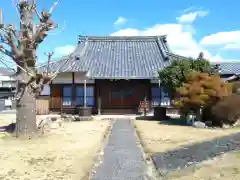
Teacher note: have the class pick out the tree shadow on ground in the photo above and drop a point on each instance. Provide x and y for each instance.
(189, 155)
(167, 121)
(146, 118)
(174, 121)
(8, 128)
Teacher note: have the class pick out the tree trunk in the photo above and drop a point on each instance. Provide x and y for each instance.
(26, 114)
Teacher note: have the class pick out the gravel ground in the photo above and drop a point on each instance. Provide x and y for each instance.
(122, 159)
(193, 154)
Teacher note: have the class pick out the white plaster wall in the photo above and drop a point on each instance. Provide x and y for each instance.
(6, 78)
(63, 78)
(7, 81)
(46, 90)
(80, 77)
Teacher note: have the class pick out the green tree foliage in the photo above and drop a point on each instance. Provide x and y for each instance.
(174, 75)
(201, 89)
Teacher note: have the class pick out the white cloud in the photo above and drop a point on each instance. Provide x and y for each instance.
(180, 40)
(226, 40)
(191, 17)
(218, 58)
(233, 46)
(180, 37)
(120, 20)
(63, 50)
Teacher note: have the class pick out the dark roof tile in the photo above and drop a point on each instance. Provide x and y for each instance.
(136, 57)
(131, 57)
(229, 67)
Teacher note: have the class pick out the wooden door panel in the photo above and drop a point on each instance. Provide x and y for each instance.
(133, 92)
(128, 96)
(56, 97)
(115, 97)
(122, 97)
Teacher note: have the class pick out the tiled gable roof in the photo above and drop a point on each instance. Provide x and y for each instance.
(137, 57)
(229, 67)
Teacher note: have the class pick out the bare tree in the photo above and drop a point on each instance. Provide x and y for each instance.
(20, 45)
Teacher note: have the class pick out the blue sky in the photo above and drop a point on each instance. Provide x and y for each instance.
(208, 26)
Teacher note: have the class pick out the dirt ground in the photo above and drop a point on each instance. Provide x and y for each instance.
(65, 153)
(159, 137)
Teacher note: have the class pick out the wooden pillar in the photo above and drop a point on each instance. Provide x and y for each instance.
(145, 105)
(85, 93)
(99, 103)
(73, 93)
(159, 85)
(61, 107)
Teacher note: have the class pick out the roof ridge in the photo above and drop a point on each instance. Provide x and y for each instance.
(177, 56)
(81, 38)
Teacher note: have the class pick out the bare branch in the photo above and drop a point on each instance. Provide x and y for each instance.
(61, 30)
(22, 68)
(9, 37)
(46, 24)
(6, 52)
(49, 55)
(37, 13)
(34, 2)
(15, 6)
(16, 53)
(24, 44)
(47, 76)
(41, 31)
(57, 72)
(69, 58)
(5, 64)
(53, 7)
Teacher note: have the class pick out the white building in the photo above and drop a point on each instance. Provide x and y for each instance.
(7, 83)
(6, 79)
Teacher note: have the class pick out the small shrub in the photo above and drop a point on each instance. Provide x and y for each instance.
(226, 111)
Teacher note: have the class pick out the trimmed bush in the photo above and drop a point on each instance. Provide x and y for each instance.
(226, 111)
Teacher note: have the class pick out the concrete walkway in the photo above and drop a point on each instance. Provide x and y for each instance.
(122, 159)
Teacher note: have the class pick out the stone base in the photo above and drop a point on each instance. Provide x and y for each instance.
(160, 113)
(82, 118)
(84, 111)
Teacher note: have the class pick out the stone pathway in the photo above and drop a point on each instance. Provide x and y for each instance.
(122, 159)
